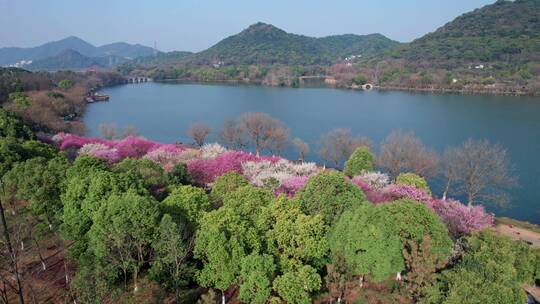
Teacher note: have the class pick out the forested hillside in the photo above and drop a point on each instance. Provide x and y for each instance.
(265, 44)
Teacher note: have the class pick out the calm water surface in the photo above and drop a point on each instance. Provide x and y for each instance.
(163, 112)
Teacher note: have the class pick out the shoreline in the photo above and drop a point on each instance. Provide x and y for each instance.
(516, 93)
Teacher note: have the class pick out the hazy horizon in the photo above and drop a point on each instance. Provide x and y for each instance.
(194, 26)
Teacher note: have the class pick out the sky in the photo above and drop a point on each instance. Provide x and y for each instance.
(194, 25)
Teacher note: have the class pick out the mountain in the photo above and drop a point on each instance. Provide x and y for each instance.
(13, 55)
(73, 60)
(167, 58)
(350, 44)
(266, 44)
(125, 50)
(504, 31)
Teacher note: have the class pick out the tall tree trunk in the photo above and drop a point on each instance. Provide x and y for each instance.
(43, 265)
(446, 189)
(222, 297)
(135, 284)
(11, 253)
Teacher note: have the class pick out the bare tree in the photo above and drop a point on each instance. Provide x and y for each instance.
(479, 170)
(302, 147)
(232, 135)
(449, 169)
(337, 145)
(129, 131)
(403, 151)
(199, 132)
(108, 131)
(264, 131)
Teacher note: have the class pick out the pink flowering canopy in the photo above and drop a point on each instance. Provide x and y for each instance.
(292, 185)
(205, 171)
(461, 219)
(134, 147)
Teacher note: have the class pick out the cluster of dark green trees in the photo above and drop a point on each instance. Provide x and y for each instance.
(132, 220)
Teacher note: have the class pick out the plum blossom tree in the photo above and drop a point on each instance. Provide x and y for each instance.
(292, 185)
(461, 219)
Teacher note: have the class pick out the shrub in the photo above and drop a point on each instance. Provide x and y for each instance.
(65, 84)
(212, 150)
(413, 180)
(375, 180)
(360, 161)
(20, 99)
(224, 184)
(329, 194)
(100, 151)
(179, 175)
(260, 173)
(399, 191)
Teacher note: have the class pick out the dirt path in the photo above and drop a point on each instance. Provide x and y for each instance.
(516, 233)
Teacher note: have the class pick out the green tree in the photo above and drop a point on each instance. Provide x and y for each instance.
(230, 233)
(88, 186)
(296, 238)
(295, 286)
(65, 84)
(179, 175)
(486, 273)
(412, 179)
(411, 220)
(365, 244)
(360, 79)
(256, 275)
(123, 231)
(11, 126)
(329, 194)
(187, 202)
(420, 268)
(224, 184)
(361, 160)
(170, 265)
(150, 173)
(40, 182)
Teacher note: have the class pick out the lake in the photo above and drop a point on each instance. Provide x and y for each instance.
(163, 112)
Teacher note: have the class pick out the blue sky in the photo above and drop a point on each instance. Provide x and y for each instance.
(194, 25)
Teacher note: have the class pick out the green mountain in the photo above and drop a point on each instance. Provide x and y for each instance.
(350, 44)
(167, 58)
(73, 60)
(504, 31)
(266, 44)
(13, 55)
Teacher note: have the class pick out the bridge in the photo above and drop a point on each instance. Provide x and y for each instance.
(138, 79)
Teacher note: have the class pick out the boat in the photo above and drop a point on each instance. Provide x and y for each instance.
(95, 97)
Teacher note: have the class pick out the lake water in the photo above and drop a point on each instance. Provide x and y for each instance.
(163, 112)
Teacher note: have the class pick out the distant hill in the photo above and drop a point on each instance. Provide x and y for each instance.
(161, 59)
(350, 44)
(73, 60)
(504, 31)
(266, 44)
(13, 55)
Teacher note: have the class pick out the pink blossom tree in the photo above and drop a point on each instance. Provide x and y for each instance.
(461, 219)
(292, 185)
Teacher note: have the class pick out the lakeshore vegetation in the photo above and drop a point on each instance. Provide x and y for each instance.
(128, 220)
